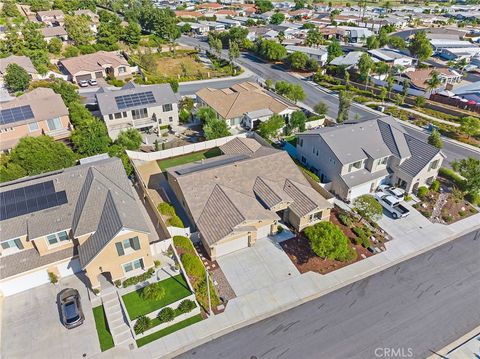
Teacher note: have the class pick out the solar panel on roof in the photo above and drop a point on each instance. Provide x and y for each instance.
(15, 114)
(133, 100)
(29, 199)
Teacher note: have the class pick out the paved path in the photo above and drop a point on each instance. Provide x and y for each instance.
(416, 306)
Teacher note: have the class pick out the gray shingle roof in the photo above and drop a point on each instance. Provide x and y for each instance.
(422, 154)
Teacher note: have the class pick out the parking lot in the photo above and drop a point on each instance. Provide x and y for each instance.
(31, 326)
(256, 267)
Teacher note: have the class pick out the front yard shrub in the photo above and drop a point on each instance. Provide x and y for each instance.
(368, 207)
(345, 219)
(166, 315)
(183, 243)
(447, 217)
(328, 241)
(279, 229)
(137, 279)
(363, 236)
(452, 176)
(462, 213)
(53, 277)
(153, 291)
(157, 263)
(186, 306)
(175, 221)
(193, 265)
(422, 192)
(143, 324)
(118, 283)
(435, 186)
(166, 209)
(408, 198)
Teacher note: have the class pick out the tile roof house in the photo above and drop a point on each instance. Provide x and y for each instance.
(22, 61)
(51, 32)
(355, 158)
(418, 78)
(142, 107)
(238, 197)
(35, 113)
(231, 104)
(97, 65)
(51, 17)
(84, 218)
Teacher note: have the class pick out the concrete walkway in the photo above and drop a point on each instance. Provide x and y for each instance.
(289, 293)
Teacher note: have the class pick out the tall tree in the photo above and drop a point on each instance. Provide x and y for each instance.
(272, 50)
(470, 125)
(78, 29)
(215, 128)
(297, 121)
(345, 101)
(270, 128)
(373, 42)
(233, 53)
(132, 33)
(420, 46)
(321, 108)
(215, 45)
(298, 60)
(90, 137)
(129, 139)
(368, 207)
(433, 82)
(263, 6)
(435, 139)
(314, 37)
(469, 168)
(365, 66)
(334, 50)
(277, 18)
(16, 78)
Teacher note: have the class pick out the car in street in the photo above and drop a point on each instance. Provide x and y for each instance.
(71, 308)
(393, 191)
(392, 205)
(92, 82)
(83, 83)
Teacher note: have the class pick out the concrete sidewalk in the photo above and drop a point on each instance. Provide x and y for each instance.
(284, 295)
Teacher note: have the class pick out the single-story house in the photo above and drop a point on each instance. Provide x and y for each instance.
(318, 54)
(51, 32)
(22, 61)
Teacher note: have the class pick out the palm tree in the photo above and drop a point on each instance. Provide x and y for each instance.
(433, 82)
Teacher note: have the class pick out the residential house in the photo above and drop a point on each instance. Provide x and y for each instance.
(439, 44)
(318, 54)
(146, 108)
(356, 35)
(58, 32)
(459, 54)
(97, 65)
(393, 58)
(94, 18)
(51, 17)
(354, 159)
(35, 113)
(349, 60)
(188, 14)
(233, 103)
(229, 23)
(22, 61)
(213, 25)
(418, 78)
(239, 197)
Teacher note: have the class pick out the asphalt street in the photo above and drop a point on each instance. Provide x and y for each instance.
(416, 307)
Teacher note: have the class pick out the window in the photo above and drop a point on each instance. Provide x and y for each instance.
(33, 126)
(118, 115)
(433, 165)
(110, 117)
(54, 124)
(12, 243)
(122, 69)
(128, 245)
(58, 237)
(384, 160)
(356, 165)
(140, 113)
(136, 264)
(170, 119)
(167, 107)
(124, 114)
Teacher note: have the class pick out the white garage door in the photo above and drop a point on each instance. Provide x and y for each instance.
(24, 282)
(263, 232)
(231, 246)
(68, 268)
(359, 190)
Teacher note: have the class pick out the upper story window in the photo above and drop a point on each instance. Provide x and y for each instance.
(54, 124)
(167, 107)
(122, 69)
(433, 165)
(118, 115)
(355, 165)
(58, 237)
(12, 244)
(140, 113)
(33, 126)
(384, 161)
(127, 246)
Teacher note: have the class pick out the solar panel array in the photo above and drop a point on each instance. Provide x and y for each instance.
(29, 199)
(15, 114)
(211, 164)
(133, 100)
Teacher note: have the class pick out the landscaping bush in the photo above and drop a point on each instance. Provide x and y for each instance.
(118, 283)
(53, 277)
(186, 306)
(183, 243)
(473, 198)
(452, 176)
(137, 279)
(345, 219)
(166, 209)
(328, 241)
(202, 296)
(166, 315)
(157, 263)
(422, 192)
(153, 291)
(193, 265)
(175, 221)
(363, 236)
(407, 198)
(279, 229)
(143, 324)
(435, 186)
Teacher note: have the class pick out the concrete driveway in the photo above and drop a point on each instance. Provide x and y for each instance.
(399, 228)
(257, 267)
(31, 326)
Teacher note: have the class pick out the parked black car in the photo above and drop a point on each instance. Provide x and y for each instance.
(71, 308)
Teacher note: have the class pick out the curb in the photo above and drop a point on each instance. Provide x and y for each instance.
(442, 353)
(317, 295)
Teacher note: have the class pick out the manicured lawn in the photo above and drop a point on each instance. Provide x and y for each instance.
(169, 330)
(106, 340)
(191, 157)
(175, 289)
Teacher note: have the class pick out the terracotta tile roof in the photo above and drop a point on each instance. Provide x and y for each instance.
(419, 77)
(93, 62)
(181, 13)
(210, 6)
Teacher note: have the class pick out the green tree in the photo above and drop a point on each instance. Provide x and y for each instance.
(33, 39)
(270, 127)
(132, 33)
(397, 42)
(263, 6)
(277, 18)
(469, 169)
(365, 66)
(233, 53)
(55, 46)
(272, 51)
(420, 46)
(297, 121)
(328, 241)
(383, 93)
(268, 83)
(10, 171)
(215, 45)
(16, 78)
(142, 324)
(344, 103)
(334, 50)
(435, 139)
(405, 87)
(373, 42)
(71, 51)
(470, 125)
(129, 139)
(9, 9)
(390, 83)
(433, 82)
(368, 207)
(298, 60)
(78, 29)
(314, 37)
(215, 128)
(321, 108)
(41, 154)
(90, 137)
(420, 101)
(206, 114)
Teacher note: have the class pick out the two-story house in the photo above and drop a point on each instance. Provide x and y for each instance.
(80, 219)
(51, 17)
(354, 159)
(38, 112)
(141, 107)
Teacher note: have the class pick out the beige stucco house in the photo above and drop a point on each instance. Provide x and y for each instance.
(35, 113)
(22, 61)
(241, 196)
(84, 219)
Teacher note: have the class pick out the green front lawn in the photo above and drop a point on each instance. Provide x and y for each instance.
(169, 330)
(191, 157)
(104, 336)
(176, 288)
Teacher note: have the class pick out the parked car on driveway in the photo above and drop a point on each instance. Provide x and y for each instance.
(83, 83)
(71, 308)
(392, 191)
(392, 204)
(93, 82)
